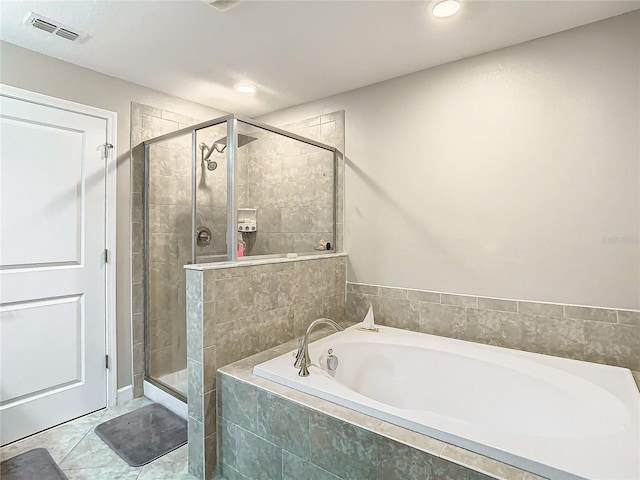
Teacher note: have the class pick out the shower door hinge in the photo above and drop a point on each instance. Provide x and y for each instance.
(106, 361)
(106, 255)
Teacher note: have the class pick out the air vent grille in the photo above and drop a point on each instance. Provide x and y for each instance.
(42, 25)
(223, 5)
(64, 33)
(52, 26)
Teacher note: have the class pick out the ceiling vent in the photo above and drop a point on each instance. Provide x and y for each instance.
(223, 5)
(51, 26)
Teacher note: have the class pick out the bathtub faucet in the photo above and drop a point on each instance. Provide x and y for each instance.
(302, 357)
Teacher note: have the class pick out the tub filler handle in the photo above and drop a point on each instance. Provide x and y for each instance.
(302, 356)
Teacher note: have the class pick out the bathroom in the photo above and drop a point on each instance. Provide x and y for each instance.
(489, 197)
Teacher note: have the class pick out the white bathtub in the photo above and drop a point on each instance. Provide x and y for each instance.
(559, 418)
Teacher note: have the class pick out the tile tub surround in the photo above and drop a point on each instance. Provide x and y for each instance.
(597, 335)
(237, 310)
(267, 427)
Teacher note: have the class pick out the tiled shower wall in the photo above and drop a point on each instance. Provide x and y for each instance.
(291, 184)
(583, 333)
(236, 311)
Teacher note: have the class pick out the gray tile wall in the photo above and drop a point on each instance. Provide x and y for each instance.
(267, 435)
(235, 312)
(584, 333)
(291, 184)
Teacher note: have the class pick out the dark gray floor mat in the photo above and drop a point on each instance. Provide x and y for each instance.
(36, 463)
(141, 436)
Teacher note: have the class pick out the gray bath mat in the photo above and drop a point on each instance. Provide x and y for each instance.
(141, 436)
(36, 463)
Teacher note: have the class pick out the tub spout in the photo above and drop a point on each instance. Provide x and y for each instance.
(302, 356)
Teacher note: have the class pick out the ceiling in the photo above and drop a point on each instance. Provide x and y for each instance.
(294, 52)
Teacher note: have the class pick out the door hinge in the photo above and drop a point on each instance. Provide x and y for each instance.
(106, 147)
(106, 255)
(106, 361)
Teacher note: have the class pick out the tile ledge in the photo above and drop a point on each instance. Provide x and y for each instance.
(263, 261)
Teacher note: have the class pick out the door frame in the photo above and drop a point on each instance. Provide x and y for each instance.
(110, 215)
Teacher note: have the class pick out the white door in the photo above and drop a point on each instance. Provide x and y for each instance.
(52, 267)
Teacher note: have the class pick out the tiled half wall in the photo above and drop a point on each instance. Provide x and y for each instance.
(597, 335)
(235, 311)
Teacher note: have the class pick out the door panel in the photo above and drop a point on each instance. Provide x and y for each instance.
(52, 271)
(38, 181)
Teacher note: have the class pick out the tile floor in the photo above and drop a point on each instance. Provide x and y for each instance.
(82, 455)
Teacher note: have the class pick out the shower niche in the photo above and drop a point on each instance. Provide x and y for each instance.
(226, 190)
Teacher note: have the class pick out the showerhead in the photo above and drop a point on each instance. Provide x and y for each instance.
(221, 145)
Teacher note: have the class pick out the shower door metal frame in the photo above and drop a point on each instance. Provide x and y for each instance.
(232, 211)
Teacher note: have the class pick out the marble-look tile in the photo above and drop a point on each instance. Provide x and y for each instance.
(459, 300)
(195, 449)
(237, 402)
(480, 463)
(342, 448)
(210, 414)
(59, 441)
(210, 455)
(423, 296)
(612, 344)
(357, 306)
(497, 304)
(362, 288)
(235, 299)
(194, 389)
(442, 469)
(284, 423)
(444, 320)
(194, 285)
(502, 329)
(172, 466)
(138, 358)
(127, 407)
(401, 462)
(392, 292)
(112, 473)
(562, 337)
(208, 286)
(629, 317)
(136, 299)
(91, 452)
(536, 308)
(398, 313)
(296, 468)
(636, 377)
(589, 313)
(209, 368)
(227, 442)
(256, 457)
(137, 328)
(194, 330)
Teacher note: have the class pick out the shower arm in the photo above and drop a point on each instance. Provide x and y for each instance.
(214, 148)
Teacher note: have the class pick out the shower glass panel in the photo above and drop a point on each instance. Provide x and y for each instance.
(211, 194)
(289, 186)
(217, 191)
(168, 222)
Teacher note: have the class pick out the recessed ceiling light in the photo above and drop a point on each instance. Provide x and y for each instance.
(445, 8)
(245, 88)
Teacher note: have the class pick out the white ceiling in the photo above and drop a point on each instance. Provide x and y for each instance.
(294, 51)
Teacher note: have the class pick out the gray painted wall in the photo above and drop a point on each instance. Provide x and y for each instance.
(513, 174)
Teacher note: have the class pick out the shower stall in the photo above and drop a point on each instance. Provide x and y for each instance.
(225, 190)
